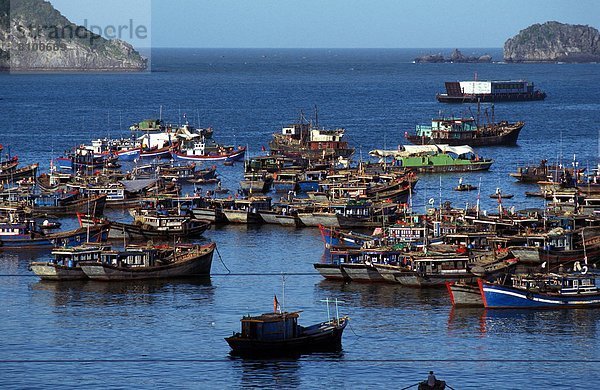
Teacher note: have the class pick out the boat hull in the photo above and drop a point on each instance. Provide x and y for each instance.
(464, 294)
(331, 271)
(50, 271)
(360, 272)
(242, 216)
(233, 156)
(316, 219)
(505, 297)
(488, 98)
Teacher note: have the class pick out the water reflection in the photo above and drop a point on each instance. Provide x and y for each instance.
(381, 294)
(568, 322)
(148, 292)
(268, 373)
(466, 319)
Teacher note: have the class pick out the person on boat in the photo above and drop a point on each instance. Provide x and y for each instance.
(431, 380)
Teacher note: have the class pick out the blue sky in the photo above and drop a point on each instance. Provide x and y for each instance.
(338, 23)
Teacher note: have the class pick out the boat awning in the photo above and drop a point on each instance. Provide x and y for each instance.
(137, 185)
(411, 150)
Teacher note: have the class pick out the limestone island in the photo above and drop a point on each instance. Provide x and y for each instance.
(554, 42)
(34, 36)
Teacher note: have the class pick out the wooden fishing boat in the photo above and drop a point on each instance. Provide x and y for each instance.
(65, 263)
(279, 333)
(70, 205)
(138, 263)
(429, 271)
(26, 172)
(466, 131)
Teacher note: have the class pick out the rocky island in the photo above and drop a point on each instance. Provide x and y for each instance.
(455, 57)
(554, 42)
(34, 36)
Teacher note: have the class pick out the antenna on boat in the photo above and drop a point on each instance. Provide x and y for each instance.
(283, 288)
(478, 196)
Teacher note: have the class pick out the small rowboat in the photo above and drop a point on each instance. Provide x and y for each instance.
(465, 187)
(501, 196)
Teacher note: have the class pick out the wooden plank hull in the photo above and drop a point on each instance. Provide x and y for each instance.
(360, 272)
(50, 271)
(464, 294)
(188, 265)
(331, 271)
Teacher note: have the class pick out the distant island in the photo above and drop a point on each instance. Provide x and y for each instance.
(455, 57)
(554, 42)
(34, 36)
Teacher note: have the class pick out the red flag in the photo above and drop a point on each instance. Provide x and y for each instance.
(263, 148)
(275, 304)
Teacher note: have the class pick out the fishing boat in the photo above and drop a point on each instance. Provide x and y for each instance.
(489, 91)
(256, 182)
(464, 293)
(547, 291)
(166, 223)
(64, 264)
(69, 204)
(199, 145)
(434, 158)
(278, 333)
(25, 235)
(307, 140)
(247, 211)
(10, 176)
(465, 131)
(427, 271)
(153, 262)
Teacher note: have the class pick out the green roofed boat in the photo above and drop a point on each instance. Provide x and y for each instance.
(149, 125)
(434, 158)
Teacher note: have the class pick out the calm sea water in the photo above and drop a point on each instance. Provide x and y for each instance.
(170, 334)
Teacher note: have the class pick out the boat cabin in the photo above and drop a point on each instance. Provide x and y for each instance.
(130, 257)
(270, 326)
(564, 284)
(449, 128)
(70, 257)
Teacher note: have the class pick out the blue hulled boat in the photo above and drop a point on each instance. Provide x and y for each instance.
(24, 235)
(547, 291)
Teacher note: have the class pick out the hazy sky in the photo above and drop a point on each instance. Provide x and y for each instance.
(338, 23)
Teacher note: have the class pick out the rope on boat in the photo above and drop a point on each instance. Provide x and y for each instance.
(352, 329)
(450, 387)
(222, 262)
(416, 384)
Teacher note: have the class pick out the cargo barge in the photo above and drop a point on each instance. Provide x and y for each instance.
(489, 91)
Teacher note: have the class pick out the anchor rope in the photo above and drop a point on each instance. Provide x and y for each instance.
(222, 262)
